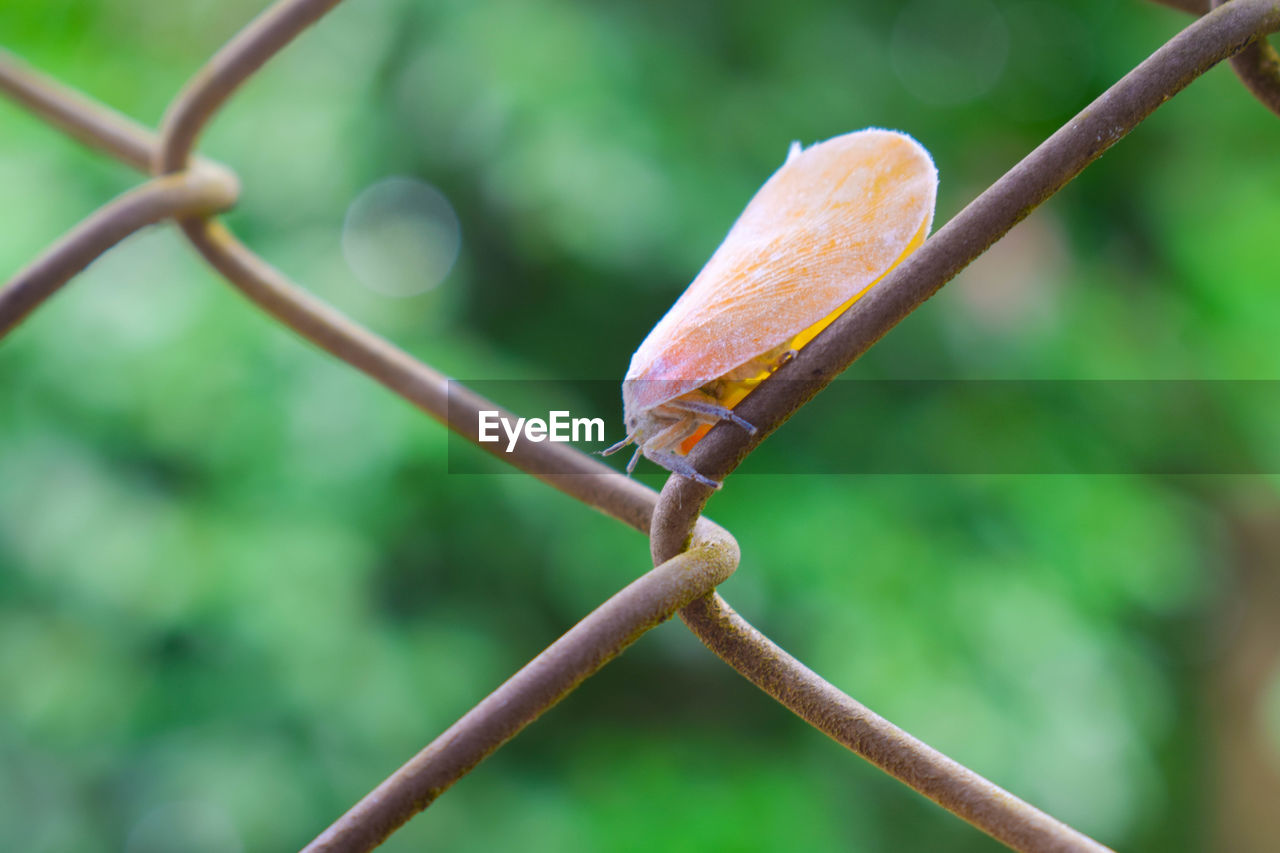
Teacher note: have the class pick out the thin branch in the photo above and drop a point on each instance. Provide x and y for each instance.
(559, 465)
(947, 782)
(584, 649)
(88, 121)
(239, 58)
(193, 193)
(1258, 67)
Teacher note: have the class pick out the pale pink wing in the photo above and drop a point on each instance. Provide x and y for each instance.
(833, 220)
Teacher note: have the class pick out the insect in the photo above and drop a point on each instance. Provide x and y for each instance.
(825, 227)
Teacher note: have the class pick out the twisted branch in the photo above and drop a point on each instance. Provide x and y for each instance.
(544, 681)
(84, 119)
(678, 580)
(193, 193)
(1258, 67)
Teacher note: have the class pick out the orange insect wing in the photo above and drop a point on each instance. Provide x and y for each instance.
(822, 230)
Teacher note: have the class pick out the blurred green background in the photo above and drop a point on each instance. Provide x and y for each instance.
(238, 585)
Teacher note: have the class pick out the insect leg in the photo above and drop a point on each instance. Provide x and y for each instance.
(710, 409)
(670, 436)
(635, 457)
(677, 464)
(609, 451)
(657, 449)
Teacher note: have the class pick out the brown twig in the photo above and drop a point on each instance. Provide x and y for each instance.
(676, 579)
(947, 782)
(589, 645)
(86, 120)
(192, 193)
(1258, 67)
(210, 87)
